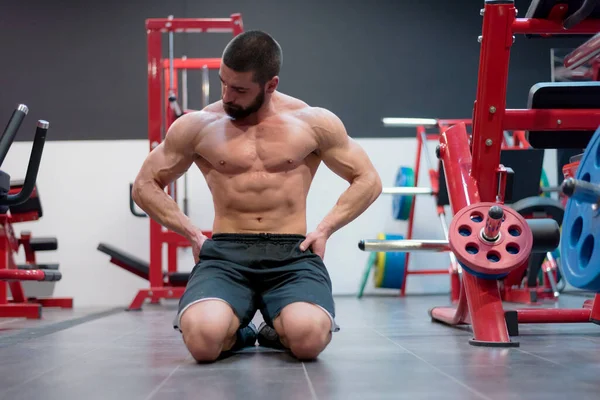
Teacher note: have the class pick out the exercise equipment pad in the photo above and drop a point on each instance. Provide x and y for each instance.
(562, 95)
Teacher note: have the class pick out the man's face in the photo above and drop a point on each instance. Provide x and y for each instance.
(240, 94)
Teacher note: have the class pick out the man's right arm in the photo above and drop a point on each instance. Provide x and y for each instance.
(165, 164)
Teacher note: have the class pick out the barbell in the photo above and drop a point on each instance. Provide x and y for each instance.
(488, 240)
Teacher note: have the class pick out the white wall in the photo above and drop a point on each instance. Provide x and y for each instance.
(85, 199)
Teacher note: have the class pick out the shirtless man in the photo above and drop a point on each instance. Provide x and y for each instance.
(259, 151)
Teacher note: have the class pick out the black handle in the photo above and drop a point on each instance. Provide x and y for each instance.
(52, 276)
(32, 169)
(175, 107)
(582, 13)
(510, 185)
(546, 234)
(14, 123)
(132, 204)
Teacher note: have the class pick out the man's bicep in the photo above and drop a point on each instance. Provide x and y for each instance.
(171, 159)
(339, 151)
(347, 159)
(165, 164)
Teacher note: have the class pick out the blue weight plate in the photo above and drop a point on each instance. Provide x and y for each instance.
(401, 205)
(580, 249)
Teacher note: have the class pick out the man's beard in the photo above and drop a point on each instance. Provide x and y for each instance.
(237, 112)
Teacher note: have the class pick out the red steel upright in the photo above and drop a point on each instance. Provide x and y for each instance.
(158, 124)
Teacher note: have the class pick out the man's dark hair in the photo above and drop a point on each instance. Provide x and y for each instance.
(254, 51)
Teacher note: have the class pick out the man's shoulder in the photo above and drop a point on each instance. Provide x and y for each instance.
(322, 120)
(188, 129)
(197, 121)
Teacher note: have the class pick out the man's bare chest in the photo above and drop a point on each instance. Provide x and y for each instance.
(271, 149)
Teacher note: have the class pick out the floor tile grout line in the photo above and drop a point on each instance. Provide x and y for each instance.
(540, 357)
(310, 384)
(62, 364)
(589, 339)
(157, 389)
(436, 368)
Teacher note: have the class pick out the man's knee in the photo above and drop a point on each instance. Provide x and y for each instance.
(208, 328)
(305, 329)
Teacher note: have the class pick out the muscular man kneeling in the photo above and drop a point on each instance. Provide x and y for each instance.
(258, 150)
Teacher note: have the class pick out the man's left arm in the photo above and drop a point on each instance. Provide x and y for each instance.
(342, 155)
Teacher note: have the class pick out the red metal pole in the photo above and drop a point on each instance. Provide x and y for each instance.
(491, 96)
(155, 138)
(238, 25)
(481, 295)
(193, 63)
(411, 217)
(548, 120)
(534, 26)
(4, 246)
(456, 158)
(583, 53)
(595, 313)
(553, 315)
(22, 275)
(193, 24)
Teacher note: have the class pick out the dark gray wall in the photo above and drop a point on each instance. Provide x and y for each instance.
(82, 64)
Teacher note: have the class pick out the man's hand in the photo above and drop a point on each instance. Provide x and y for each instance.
(317, 240)
(197, 242)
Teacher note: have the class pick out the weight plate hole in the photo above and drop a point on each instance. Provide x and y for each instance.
(493, 256)
(464, 230)
(476, 216)
(586, 177)
(512, 248)
(472, 248)
(514, 230)
(587, 248)
(576, 232)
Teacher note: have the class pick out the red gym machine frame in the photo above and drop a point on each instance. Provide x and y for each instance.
(20, 306)
(509, 294)
(473, 176)
(157, 114)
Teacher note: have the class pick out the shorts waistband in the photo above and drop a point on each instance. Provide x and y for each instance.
(257, 237)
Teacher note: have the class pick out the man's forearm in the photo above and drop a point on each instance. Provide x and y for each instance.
(363, 191)
(162, 208)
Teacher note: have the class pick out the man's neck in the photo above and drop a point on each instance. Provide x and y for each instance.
(267, 110)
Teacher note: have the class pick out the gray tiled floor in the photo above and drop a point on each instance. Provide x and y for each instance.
(387, 349)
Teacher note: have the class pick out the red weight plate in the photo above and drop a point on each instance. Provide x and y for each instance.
(509, 251)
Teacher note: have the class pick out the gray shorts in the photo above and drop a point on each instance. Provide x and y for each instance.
(258, 272)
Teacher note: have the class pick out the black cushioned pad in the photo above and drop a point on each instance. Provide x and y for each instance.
(141, 266)
(563, 95)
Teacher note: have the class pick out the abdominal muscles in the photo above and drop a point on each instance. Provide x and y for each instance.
(261, 201)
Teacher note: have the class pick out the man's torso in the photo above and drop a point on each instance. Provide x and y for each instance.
(259, 175)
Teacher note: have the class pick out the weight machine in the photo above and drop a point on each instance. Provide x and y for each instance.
(163, 109)
(19, 202)
(392, 269)
(489, 239)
